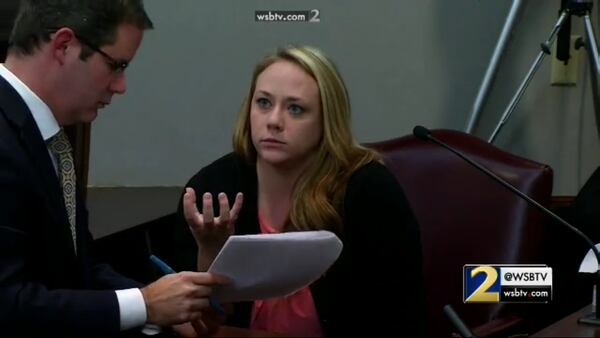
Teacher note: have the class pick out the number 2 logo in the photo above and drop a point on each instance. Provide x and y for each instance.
(315, 15)
(482, 293)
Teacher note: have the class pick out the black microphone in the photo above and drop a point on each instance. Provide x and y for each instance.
(459, 325)
(594, 318)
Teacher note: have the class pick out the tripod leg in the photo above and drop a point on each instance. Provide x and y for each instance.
(534, 67)
(493, 65)
(592, 52)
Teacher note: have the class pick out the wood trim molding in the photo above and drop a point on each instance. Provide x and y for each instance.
(561, 202)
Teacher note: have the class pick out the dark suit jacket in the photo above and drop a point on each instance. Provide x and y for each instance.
(375, 286)
(45, 289)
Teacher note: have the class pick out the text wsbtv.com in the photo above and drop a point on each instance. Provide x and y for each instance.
(312, 15)
(525, 294)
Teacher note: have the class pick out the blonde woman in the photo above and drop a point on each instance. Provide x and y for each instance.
(296, 167)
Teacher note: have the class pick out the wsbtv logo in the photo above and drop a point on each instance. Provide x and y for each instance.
(493, 283)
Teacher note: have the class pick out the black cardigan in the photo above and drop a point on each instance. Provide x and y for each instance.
(376, 285)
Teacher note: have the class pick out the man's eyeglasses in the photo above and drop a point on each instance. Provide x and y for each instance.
(117, 67)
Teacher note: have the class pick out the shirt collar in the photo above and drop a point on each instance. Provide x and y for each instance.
(44, 119)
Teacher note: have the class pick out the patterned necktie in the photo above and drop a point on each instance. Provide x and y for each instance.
(61, 149)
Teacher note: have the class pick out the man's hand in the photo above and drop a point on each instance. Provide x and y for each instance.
(207, 325)
(179, 298)
(186, 331)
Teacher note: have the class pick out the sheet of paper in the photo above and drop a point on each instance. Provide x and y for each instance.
(589, 263)
(266, 266)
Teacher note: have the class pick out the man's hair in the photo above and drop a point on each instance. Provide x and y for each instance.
(95, 20)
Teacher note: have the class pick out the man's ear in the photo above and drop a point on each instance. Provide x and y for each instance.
(63, 42)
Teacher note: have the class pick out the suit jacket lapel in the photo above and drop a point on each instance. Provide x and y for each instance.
(16, 111)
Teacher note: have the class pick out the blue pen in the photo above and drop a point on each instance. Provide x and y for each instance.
(166, 269)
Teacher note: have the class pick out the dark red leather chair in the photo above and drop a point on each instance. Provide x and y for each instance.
(466, 218)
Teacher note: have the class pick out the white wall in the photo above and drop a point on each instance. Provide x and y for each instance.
(404, 62)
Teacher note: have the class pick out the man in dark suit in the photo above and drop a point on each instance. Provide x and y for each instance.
(65, 62)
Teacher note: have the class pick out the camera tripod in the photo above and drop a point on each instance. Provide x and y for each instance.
(572, 8)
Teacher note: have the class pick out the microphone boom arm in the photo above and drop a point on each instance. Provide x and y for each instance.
(522, 195)
(593, 318)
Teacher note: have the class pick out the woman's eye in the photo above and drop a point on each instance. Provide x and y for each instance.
(263, 103)
(296, 109)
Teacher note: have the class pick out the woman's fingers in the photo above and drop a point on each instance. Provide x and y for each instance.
(207, 210)
(190, 210)
(237, 206)
(223, 209)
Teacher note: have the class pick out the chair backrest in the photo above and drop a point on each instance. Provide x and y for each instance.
(466, 217)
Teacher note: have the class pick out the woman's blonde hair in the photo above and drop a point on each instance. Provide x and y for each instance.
(318, 194)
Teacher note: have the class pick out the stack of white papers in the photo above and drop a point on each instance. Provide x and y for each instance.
(266, 266)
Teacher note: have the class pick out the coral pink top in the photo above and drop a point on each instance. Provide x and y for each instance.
(294, 315)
